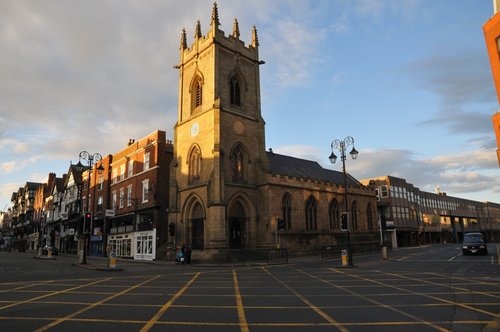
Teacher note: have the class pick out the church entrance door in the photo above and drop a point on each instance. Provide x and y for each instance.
(235, 234)
(237, 227)
(197, 228)
(197, 234)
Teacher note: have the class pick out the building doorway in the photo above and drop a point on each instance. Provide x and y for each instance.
(237, 226)
(197, 228)
(235, 234)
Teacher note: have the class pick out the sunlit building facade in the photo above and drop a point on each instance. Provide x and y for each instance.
(492, 37)
(410, 216)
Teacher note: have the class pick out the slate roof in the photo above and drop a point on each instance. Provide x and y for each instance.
(32, 185)
(306, 169)
(59, 184)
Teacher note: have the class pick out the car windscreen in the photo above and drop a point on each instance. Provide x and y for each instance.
(473, 238)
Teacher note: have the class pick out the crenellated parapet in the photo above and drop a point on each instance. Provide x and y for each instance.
(215, 35)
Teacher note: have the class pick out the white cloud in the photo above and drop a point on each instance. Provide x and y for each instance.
(90, 75)
(8, 166)
(456, 174)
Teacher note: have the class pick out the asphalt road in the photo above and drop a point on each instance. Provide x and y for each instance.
(430, 288)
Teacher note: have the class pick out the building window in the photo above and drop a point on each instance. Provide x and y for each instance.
(122, 197)
(113, 203)
(383, 191)
(237, 163)
(354, 215)
(145, 190)
(129, 195)
(369, 217)
(194, 165)
(99, 204)
(100, 185)
(286, 207)
(311, 211)
(333, 215)
(85, 184)
(114, 175)
(130, 168)
(146, 161)
(197, 93)
(234, 90)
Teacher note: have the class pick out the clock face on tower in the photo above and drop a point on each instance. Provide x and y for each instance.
(194, 129)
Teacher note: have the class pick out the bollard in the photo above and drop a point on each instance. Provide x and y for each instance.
(344, 257)
(384, 253)
(112, 260)
(49, 252)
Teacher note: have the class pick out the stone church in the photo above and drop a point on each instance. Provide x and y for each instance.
(226, 190)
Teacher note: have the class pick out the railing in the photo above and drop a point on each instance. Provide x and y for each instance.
(334, 251)
(256, 256)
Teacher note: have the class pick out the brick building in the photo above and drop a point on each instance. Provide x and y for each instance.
(134, 186)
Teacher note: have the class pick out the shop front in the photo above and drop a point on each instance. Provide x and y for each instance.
(136, 245)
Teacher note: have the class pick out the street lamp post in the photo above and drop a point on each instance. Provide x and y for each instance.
(89, 159)
(341, 146)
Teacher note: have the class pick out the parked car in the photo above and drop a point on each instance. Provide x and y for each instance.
(474, 243)
(54, 249)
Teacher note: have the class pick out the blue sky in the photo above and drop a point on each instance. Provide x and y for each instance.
(408, 79)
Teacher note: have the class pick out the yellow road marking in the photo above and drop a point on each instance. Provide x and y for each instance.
(63, 319)
(51, 294)
(25, 286)
(466, 281)
(437, 298)
(167, 305)
(173, 323)
(311, 305)
(239, 304)
(384, 305)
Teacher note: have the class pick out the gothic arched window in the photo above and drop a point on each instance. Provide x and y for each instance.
(311, 211)
(286, 207)
(354, 216)
(194, 165)
(234, 91)
(333, 215)
(197, 93)
(237, 157)
(369, 217)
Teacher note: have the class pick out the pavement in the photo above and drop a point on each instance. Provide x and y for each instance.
(100, 263)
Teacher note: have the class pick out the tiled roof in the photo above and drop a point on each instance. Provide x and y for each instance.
(306, 169)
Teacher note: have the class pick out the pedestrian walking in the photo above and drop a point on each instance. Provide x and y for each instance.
(188, 251)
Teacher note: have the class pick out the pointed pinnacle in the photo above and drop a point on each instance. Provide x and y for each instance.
(255, 39)
(215, 15)
(197, 30)
(183, 40)
(236, 29)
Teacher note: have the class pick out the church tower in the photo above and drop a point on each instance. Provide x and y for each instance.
(219, 151)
